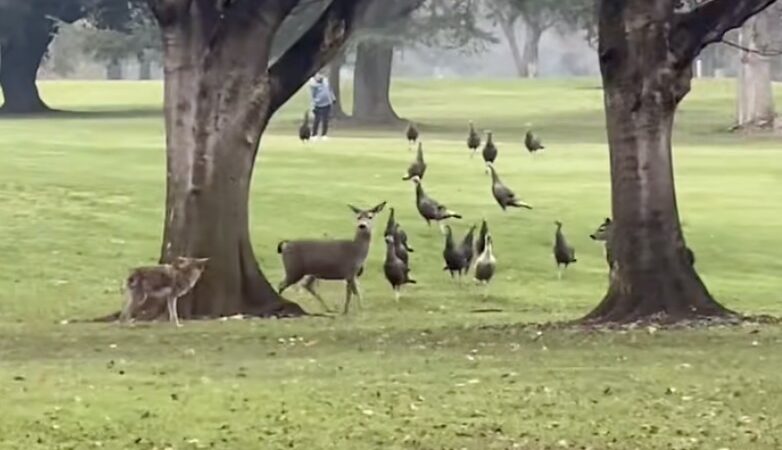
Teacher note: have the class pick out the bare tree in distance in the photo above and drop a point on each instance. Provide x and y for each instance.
(537, 16)
(760, 42)
(646, 51)
(220, 92)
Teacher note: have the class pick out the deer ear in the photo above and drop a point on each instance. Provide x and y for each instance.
(354, 209)
(379, 207)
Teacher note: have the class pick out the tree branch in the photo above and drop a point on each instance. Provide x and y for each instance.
(313, 50)
(708, 23)
(167, 11)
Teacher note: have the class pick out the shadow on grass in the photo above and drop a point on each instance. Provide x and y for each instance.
(133, 113)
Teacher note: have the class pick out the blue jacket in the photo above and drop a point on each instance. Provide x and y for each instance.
(321, 93)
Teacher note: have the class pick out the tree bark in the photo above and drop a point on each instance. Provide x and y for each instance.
(644, 80)
(144, 67)
(755, 100)
(532, 35)
(508, 27)
(20, 58)
(335, 81)
(372, 84)
(114, 69)
(219, 95)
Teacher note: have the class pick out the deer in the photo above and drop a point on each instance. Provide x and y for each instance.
(330, 259)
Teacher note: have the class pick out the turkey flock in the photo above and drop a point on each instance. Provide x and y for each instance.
(470, 254)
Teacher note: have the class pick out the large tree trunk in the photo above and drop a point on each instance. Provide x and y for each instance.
(508, 27)
(219, 96)
(372, 84)
(216, 108)
(335, 81)
(755, 99)
(20, 57)
(643, 84)
(529, 60)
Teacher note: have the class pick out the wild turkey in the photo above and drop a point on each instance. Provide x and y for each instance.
(486, 264)
(397, 272)
(467, 246)
(304, 130)
(455, 260)
(394, 230)
(411, 133)
(504, 195)
(473, 140)
(481, 242)
(418, 167)
(401, 250)
(489, 150)
(532, 142)
(429, 208)
(564, 253)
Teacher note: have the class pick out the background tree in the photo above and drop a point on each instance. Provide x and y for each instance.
(138, 39)
(755, 99)
(26, 29)
(446, 24)
(537, 16)
(220, 92)
(646, 53)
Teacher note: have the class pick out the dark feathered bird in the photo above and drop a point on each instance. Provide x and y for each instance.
(411, 133)
(418, 167)
(489, 149)
(401, 250)
(564, 253)
(429, 208)
(304, 130)
(532, 142)
(395, 230)
(504, 195)
(473, 140)
(455, 261)
(479, 244)
(396, 271)
(486, 264)
(467, 246)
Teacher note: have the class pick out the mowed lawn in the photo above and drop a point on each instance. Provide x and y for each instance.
(81, 202)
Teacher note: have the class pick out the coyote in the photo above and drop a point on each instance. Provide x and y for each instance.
(165, 282)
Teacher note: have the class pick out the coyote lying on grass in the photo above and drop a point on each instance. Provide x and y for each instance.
(164, 282)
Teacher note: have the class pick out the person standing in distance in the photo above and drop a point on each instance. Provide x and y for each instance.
(322, 99)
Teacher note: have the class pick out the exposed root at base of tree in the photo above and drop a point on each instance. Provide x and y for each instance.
(157, 312)
(651, 324)
(773, 127)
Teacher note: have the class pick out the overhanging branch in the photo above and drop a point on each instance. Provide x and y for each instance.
(708, 23)
(313, 50)
(167, 11)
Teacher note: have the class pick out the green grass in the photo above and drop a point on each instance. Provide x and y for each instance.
(81, 202)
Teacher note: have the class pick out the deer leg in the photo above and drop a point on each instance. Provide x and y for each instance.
(354, 288)
(348, 293)
(172, 313)
(309, 286)
(397, 293)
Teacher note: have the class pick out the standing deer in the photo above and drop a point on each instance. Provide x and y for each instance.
(322, 259)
